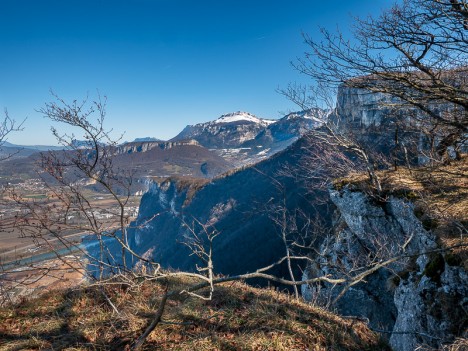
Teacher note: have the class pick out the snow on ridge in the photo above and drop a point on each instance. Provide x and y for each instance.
(242, 116)
(313, 114)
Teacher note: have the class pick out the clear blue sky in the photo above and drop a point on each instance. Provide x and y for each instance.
(162, 64)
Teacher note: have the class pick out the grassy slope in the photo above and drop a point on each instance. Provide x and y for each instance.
(238, 318)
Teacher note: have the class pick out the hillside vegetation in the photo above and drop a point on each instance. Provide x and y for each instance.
(239, 317)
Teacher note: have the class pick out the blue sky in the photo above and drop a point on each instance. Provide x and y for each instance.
(162, 64)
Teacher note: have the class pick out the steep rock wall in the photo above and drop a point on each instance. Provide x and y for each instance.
(420, 299)
(362, 108)
(390, 126)
(145, 146)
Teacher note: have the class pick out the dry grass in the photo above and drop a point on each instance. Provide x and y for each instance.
(238, 318)
(460, 344)
(440, 195)
(443, 190)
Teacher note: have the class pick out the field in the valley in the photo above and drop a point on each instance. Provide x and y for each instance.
(16, 243)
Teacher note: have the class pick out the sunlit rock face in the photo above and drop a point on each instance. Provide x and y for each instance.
(362, 108)
(144, 146)
(419, 299)
(391, 126)
(374, 121)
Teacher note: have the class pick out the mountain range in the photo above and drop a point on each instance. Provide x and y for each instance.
(203, 150)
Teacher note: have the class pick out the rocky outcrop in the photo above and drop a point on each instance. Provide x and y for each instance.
(374, 120)
(432, 304)
(144, 146)
(421, 299)
(393, 127)
(362, 108)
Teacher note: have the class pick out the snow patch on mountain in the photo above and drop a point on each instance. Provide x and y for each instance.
(242, 116)
(315, 114)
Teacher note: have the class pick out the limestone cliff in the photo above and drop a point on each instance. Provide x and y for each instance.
(144, 146)
(419, 300)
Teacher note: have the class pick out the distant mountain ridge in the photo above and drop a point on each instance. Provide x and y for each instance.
(234, 129)
(34, 147)
(203, 150)
(243, 138)
(228, 131)
(137, 140)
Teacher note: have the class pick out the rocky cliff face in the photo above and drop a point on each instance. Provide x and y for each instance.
(144, 146)
(374, 120)
(379, 120)
(362, 108)
(420, 300)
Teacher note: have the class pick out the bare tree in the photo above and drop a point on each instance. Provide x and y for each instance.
(412, 63)
(415, 52)
(68, 172)
(7, 126)
(336, 148)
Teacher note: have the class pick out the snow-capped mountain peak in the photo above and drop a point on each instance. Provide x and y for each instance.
(242, 116)
(244, 130)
